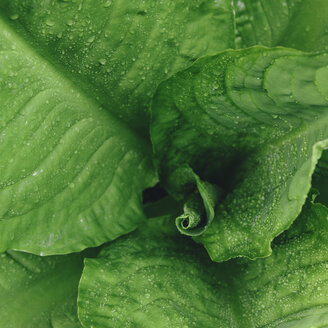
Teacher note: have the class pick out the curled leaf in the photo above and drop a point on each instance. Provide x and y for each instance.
(199, 208)
(254, 123)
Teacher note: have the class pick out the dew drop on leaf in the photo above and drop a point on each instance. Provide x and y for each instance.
(14, 16)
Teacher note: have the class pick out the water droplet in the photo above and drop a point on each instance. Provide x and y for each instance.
(14, 16)
(50, 22)
(102, 61)
(91, 39)
(69, 22)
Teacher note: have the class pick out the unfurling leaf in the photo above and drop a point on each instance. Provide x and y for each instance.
(253, 122)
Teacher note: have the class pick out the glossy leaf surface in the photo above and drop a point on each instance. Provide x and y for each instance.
(254, 122)
(299, 24)
(155, 275)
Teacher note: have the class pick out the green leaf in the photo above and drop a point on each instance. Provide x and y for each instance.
(117, 51)
(253, 122)
(71, 173)
(300, 24)
(39, 291)
(198, 209)
(154, 275)
(74, 77)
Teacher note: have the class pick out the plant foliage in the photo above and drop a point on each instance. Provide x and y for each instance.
(183, 144)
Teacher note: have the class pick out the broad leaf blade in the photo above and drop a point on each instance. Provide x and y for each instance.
(300, 24)
(254, 122)
(71, 174)
(72, 170)
(168, 279)
(150, 276)
(288, 289)
(118, 51)
(39, 291)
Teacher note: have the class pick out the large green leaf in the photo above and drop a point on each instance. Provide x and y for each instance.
(118, 51)
(254, 122)
(73, 75)
(39, 291)
(71, 175)
(300, 24)
(154, 275)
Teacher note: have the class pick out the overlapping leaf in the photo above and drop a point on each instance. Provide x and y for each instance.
(299, 24)
(154, 275)
(253, 122)
(66, 165)
(74, 77)
(237, 137)
(118, 51)
(39, 291)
